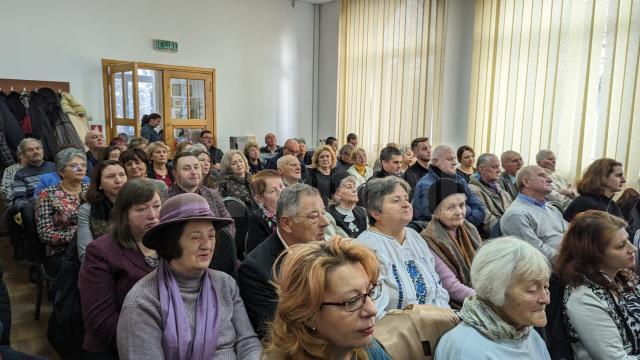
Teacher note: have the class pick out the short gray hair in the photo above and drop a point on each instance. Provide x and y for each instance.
(198, 146)
(283, 159)
(485, 158)
(377, 189)
(301, 141)
(289, 201)
(348, 179)
(226, 161)
(439, 150)
(505, 155)
(502, 261)
(24, 142)
(525, 172)
(63, 157)
(542, 154)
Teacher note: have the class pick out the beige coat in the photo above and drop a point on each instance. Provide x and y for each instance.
(494, 204)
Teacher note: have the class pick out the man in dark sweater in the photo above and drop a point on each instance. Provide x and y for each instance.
(391, 162)
(206, 138)
(422, 149)
(300, 219)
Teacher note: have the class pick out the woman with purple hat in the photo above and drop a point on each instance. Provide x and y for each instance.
(184, 310)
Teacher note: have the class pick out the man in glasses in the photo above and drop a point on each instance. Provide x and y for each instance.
(206, 138)
(300, 219)
(291, 147)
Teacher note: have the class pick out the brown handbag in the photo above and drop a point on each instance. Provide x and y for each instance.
(413, 333)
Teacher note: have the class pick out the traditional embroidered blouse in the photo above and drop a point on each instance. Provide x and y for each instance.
(407, 272)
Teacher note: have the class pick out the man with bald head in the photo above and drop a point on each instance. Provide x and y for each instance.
(443, 165)
(291, 147)
(94, 140)
(290, 169)
(271, 144)
(511, 163)
(530, 217)
(562, 193)
(486, 186)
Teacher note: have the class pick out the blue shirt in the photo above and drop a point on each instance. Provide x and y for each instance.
(532, 201)
(51, 179)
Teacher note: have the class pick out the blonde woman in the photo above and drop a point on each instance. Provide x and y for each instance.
(326, 308)
(360, 170)
(324, 163)
(236, 177)
(159, 168)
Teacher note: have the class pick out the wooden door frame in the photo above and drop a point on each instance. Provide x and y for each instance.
(151, 66)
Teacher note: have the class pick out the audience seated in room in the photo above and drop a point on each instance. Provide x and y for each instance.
(234, 170)
(266, 186)
(390, 163)
(135, 163)
(407, 267)
(271, 144)
(511, 162)
(323, 168)
(408, 158)
(530, 217)
(511, 279)
(346, 219)
(333, 143)
(208, 179)
(422, 150)
(159, 167)
(110, 153)
(183, 309)
(300, 219)
(93, 216)
(206, 138)
(290, 170)
(139, 143)
(443, 165)
(562, 192)
(326, 303)
(601, 303)
(114, 262)
(25, 179)
(94, 141)
(466, 158)
(344, 157)
(360, 170)
(56, 210)
(485, 184)
(252, 153)
(304, 156)
(352, 139)
(453, 240)
(599, 183)
(188, 178)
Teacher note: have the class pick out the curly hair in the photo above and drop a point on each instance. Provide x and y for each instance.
(319, 150)
(301, 284)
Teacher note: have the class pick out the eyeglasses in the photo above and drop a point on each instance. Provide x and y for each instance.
(77, 167)
(356, 303)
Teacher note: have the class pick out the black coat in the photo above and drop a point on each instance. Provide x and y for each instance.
(259, 229)
(591, 202)
(9, 125)
(254, 280)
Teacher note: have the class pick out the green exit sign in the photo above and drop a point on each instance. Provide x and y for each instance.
(165, 45)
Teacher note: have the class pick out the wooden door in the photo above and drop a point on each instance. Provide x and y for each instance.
(125, 117)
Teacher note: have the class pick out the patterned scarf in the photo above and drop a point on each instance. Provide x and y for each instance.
(479, 315)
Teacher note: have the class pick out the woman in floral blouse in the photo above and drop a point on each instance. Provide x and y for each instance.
(57, 206)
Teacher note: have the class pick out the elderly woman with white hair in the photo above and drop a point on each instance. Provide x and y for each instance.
(511, 279)
(346, 219)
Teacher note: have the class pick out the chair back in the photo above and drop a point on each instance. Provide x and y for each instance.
(240, 214)
(224, 253)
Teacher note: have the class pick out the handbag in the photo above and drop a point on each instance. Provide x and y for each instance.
(413, 333)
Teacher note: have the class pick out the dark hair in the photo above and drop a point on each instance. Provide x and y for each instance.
(206, 132)
(461, 151)
(169, 248)
(133, 154)
(134, 192)
(351, 136)
(388, 151)
(94, 193)
(416, 141)
(182, 155)
(117, 141)
(330, 140)
(583, 245)
(627, 195)
(104, 154)
(152, 116)
(593, 178)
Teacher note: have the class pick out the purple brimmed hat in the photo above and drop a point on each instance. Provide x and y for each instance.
(181, 208)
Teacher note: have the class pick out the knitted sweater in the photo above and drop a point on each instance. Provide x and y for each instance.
(541, 227)
(25, 181)
(140, 324)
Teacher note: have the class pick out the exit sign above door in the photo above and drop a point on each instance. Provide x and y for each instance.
(165, 45)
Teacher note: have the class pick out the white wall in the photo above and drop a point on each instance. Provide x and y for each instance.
(328, 72)
(262, 51)
(457, 72)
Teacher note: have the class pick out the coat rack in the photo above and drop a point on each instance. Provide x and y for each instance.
(18, 85)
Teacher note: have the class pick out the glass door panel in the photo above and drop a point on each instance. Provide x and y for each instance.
(196, 99)
(178, 88)
(123, 81)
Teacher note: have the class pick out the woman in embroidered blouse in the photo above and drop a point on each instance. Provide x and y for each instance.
(252, 153)
(346, 219)
(601, 303)
(114, 262)
(184, 310)
(266, 186)
(452, 239)
(57, 206)
(205, 166)
(159, 168)
(319, 176)
(511, 278)
(235, 177)
(326, 308)
(360, 170)
(407, 267)
(93, 216)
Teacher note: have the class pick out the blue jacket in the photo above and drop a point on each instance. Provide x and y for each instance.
(475, 210)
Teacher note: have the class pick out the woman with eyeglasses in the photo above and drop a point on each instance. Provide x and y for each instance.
(57, 206)
(326, 308)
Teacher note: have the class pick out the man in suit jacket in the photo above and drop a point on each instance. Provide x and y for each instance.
(300, 219)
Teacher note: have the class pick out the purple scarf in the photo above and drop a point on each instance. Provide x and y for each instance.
(176, 332)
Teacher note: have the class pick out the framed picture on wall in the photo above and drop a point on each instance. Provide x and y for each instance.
(177, 102)
(176, 90)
